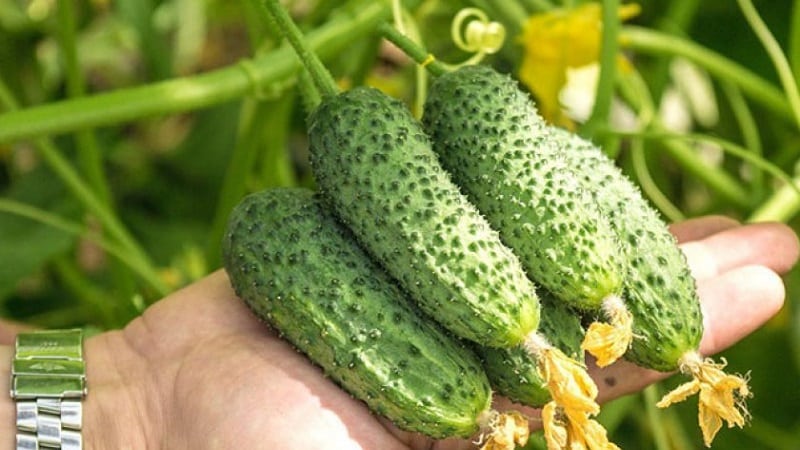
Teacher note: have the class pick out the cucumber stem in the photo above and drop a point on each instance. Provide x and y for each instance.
(415, 51)
(321, 76)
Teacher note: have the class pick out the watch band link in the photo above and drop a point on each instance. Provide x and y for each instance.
(49, 423)
(48, 382)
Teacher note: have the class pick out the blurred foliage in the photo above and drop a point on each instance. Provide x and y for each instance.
(168, 179)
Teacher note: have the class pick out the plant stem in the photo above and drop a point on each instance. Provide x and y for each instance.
(91, 161)
(656, 425)
(720, 179)
(676, 20)
(406, 25)
(90, 201)
(511, 8)
(634, 90)
(54, 221)
(759, 90)
(716, 178)
(81, 288)
(649, 185)
(749, 131)
(608, 66)
(90, 158)
(139, 14)
(322, 78)
(794, 39)
(776, 55)
(415, 51)
(782, 205)
(187, 93)
(234, 182)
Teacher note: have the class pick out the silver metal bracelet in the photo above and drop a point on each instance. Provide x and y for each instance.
(48, 383)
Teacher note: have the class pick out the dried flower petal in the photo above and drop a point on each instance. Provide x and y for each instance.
(566, 419)
(573, 430)
(555, 433)
(722, 396)
(607, 342)
(507, 431)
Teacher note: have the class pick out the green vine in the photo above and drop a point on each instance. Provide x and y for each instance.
(756, 88)
(118, 251)
(776, 55)
(186, 93)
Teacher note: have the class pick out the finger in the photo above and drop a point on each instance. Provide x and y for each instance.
(736, 303)
(701, 227)
(772, 245)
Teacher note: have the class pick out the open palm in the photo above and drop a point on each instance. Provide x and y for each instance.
(197, 370)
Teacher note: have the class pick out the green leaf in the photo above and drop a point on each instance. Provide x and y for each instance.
(25, 245)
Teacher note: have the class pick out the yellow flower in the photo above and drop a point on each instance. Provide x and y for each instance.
(722, 396)
(558, 40)
(568, 431)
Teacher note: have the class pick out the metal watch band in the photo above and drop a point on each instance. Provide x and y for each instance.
(48, 382)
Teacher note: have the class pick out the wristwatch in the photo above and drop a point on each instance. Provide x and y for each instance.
(48, 383)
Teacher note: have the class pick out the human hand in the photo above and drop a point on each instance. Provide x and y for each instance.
(198, 370)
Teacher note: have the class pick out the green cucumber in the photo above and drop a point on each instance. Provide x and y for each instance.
(302, 272)
(376, 168)
(484, 128)
(514, 373)
(660, 291)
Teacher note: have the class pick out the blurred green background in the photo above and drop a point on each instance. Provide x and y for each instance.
(130, 128)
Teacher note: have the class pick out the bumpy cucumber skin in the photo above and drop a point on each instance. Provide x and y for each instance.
(303, 273)
(513, 371)
(660, 291)
(375, 166)
(485, 130)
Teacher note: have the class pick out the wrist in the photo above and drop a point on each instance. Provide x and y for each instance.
(48, 384)
(114, 415)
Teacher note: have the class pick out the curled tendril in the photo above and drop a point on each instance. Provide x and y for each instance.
(473, 32)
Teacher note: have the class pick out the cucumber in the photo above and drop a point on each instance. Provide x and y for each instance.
(516, 374)
(484, 128)
(513, 373)
(303, 273)
(660, 292)
(377, 170)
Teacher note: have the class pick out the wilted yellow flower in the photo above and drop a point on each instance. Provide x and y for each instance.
(508, 430)
(558, 40)
(573, 431)
(722, 395)
(609, 341)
